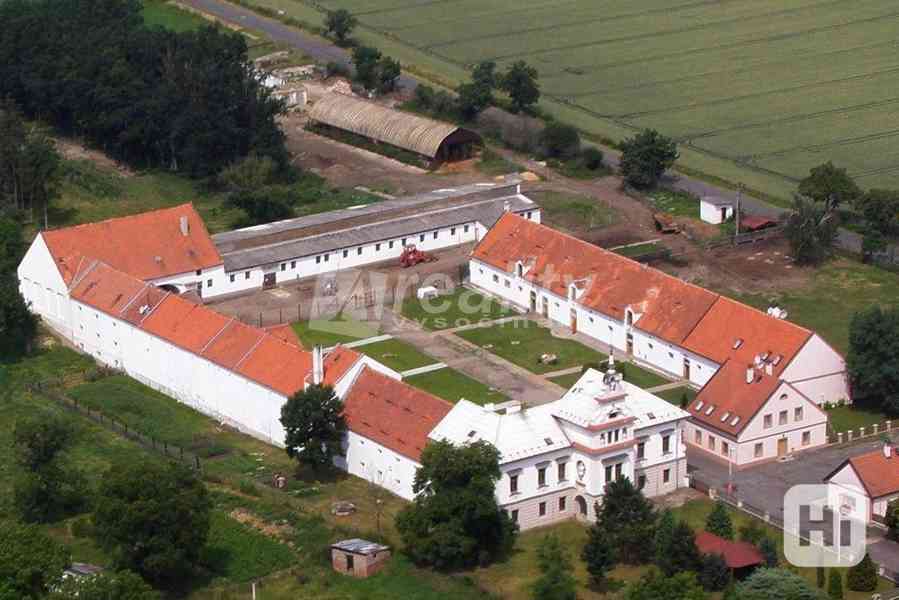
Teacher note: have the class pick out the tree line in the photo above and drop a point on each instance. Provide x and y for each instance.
(189, 102)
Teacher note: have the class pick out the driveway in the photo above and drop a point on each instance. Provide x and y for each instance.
(764, 487)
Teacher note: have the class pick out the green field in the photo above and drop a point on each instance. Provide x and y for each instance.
(456, 309)
(756, 91)
(451, 385)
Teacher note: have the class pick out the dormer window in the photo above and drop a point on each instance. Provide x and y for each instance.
(699, 405)
(629, 317)
(737, 343)
(709, 410)
(734, 421)
(725, 416)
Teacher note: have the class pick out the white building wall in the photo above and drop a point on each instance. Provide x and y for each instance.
(845, 484)
(42, 286)
(819, 372)
(377, 464)
(528, 487)
(710, 213)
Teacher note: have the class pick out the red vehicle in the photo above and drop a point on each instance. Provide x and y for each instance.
(412, 256)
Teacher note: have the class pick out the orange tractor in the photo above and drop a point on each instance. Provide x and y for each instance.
(412, 256)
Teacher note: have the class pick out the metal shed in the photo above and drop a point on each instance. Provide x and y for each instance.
(439, 142)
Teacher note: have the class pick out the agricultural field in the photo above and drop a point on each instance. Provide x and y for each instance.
(758, 90)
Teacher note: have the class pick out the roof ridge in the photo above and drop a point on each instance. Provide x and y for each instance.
(215, 337)
(250, 351)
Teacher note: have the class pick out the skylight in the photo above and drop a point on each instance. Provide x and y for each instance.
(737, 343)
(699, 405)
(709, 410)
(734, 421)
(725, 416)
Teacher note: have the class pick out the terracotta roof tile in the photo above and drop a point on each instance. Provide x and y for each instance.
(667, 307)
(106, 289)
(278, 365)
(185, 324)
(235, 342)
(729, 394)
(285, 333)
(147, 246)
(337, 362)
(736, 554)
(392, 413)
(879, 474)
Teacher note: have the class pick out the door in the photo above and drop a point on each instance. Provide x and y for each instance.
(573, 321)
(268, 281)
(581, 507)
(533, 301)
(723, 214)
(687, 369)
(781, 447)
(545, 308)
(630, 343)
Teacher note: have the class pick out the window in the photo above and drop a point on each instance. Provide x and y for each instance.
(806, 438)
(452, 231)
(513, 484)
(563, 468)
(359, 251)
(515, 516)
(404, 241)
(390, 244)
(246, 275)
(782, 418)
(758, 450)
(608, 473)
(346, 253)
(377, 247)
(293, 264)
(318, 260)
(283, 266)
(666, 476)
(435, 235)
(507, 283)
(562, 502)
(698, 437)
(666, 444)
(495, 278)
(725, 448)
(617, 471)
(541, 477)
(327, 256)
(529, 214)
(209, 283)
(711, 442)
(797, 413)
(465, 229)
(349, 562)
(421, 238)
(199, 271)
(231, 277)
(769, 421)
(542, 509)
(641, 450)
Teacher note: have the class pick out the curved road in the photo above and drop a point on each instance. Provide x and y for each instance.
(324, 51)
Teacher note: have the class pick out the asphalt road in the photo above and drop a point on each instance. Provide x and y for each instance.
(324, 51)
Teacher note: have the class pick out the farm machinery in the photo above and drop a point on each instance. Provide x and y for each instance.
(412, 256)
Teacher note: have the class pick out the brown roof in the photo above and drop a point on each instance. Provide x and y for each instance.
(736, 554)
(147, 246)
(670, 307)
(392, 413)
(879, 474)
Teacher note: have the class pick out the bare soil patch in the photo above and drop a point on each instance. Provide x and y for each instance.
(72, 150)
(277, 531)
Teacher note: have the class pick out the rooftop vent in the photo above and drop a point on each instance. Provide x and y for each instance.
(699, 405)
(750, 373)
(737, 343)
(709, 410)
(776, 360)
(734, 421)
(185, 226)
(725, 416)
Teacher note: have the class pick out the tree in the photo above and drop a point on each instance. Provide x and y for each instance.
(768, 548)
(714, 574)
(662, 541)
(880, 209)
(109, 585)
(31, 562)
(776, 584)
(645, 158)
(628, 519)
(484, 74)
(719, 522)
(592, 157)
(599, 555)
(654, 586)
(366, 59)
(12, 245)
(752, 532)
(830, 186)
(520, 82)
(873, 361)
(454, 521)
(472, 99)
(340, 23)
(18, 326)
(314, 426)
(561, 141)
(820, 577)
(873, 243)
(556, 581)
(863, 576)
(891, 520)
(46, 487)
(153, 518)
(684, 554)
(811, 230)
(835, 585)
(389, 70)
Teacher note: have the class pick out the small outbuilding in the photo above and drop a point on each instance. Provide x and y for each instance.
(434, 141)
(715, 210)
(741, 557)
(872, 477)
(359, 558)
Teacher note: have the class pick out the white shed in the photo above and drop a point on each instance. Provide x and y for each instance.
(715, 210)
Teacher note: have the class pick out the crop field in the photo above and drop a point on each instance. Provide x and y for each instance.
(766, 87)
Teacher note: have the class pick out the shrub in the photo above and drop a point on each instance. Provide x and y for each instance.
(714, 574)
(424, 96)
(559, 141)
(82, 527)
(863, 576)
(719, 522)
(248, 487)
(592, 157)
(336, 69)
(835, 585)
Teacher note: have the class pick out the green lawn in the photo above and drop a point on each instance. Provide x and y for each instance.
(844, 418)
(329, 332)
(396, 354)
(674, 395)
(165, 14)
(494, 164)
(566, 381)
(574, 212)
(641, 377)
(677, 203)
(460, 307)
(522, 342)
(836, 292)
(451, 385)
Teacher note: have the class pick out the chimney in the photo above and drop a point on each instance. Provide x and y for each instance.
(887, 450)
(507, 206)
(185, 226)
(769, 368)
(318, 365)
(750, 374)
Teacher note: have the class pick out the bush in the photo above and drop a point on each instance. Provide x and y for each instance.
(560, 141)
(424, 96)
(835, 585)
(863, 576)
(714, 574)
(336, 69)
(248, 487)
(592, 157)
(82, 527)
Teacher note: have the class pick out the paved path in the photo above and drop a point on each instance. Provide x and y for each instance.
(561, 372)
(764, 486)
(513, 381)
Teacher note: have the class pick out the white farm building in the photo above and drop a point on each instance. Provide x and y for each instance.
(761, 379)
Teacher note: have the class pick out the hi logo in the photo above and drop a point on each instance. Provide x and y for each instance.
(825, 526)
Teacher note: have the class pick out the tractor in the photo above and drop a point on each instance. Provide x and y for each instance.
(412, 256)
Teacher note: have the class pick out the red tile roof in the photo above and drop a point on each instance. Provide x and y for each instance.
(285, 333)
(185, 324)
(878, 474)
(736, 554)
(392, 413)
(278, 365)
(337, 362)
(667, 307)
(106, 289)
(728, 394)
(147, 246)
